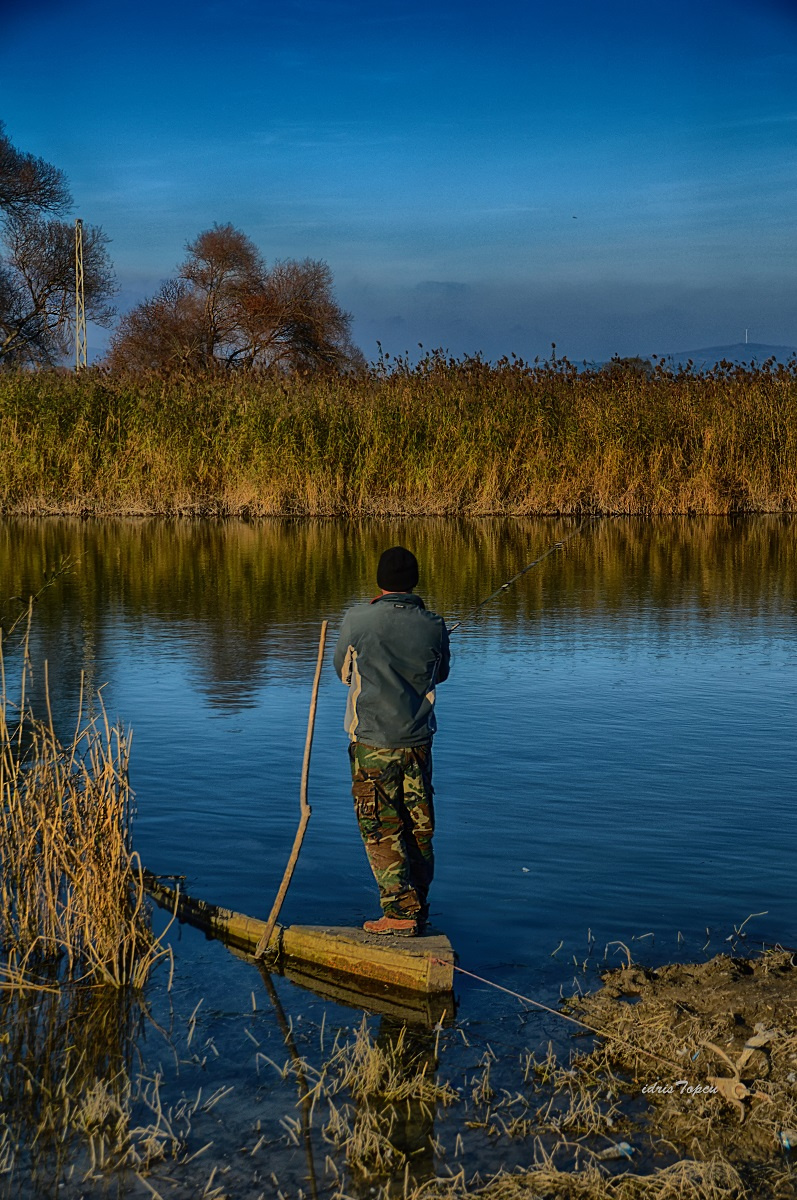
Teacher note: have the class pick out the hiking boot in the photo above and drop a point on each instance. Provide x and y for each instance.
(397, 926)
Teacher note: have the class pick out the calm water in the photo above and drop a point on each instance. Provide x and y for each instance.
(616, 750)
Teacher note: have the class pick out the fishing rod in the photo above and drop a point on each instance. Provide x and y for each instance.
(263, 944)
(506, 586)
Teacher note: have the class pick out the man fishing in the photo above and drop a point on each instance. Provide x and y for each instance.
(392, 652)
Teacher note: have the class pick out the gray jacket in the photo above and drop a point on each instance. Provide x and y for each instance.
(392, 652)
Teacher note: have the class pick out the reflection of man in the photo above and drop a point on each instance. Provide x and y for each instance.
(406, 1126)
(392, 652)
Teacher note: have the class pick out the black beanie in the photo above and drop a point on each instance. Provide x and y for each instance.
(397, 570)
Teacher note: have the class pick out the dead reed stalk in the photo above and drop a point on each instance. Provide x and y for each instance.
(71, 891)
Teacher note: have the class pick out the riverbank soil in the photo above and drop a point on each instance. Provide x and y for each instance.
(692, 1089)
(711, 1046)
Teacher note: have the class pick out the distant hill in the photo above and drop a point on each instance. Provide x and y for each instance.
(738, 352)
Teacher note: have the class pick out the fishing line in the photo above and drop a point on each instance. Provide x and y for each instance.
(558, 1013)
(506, 586)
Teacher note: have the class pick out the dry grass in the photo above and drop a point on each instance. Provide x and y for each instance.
(582, 1123)
(76, 950)
(442, 437)
(374, 1104)
(380, 1098)
(392, 1069)
(685, 1180)
(71, 891)
(727, 1024)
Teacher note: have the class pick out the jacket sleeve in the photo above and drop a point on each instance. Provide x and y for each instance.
(444, 662)
(341, 660)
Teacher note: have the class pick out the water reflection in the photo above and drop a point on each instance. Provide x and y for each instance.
(383, 1095)
(302, 1084)
(615, 746)
(409, 1122)
(243, 601)
(65, 1065)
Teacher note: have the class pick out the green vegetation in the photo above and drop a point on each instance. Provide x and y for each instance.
(442, 437)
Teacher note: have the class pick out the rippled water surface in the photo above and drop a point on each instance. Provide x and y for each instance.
(615, 755)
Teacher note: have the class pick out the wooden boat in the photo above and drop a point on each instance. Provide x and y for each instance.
(409, 977)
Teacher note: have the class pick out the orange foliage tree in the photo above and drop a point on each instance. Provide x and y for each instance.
(226, 308)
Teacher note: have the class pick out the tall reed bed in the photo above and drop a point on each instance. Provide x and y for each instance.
(71, 891)
(442, 436)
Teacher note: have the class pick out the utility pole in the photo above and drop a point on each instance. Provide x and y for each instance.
(80, 308)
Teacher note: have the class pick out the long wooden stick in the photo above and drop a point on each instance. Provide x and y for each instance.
(305, 808)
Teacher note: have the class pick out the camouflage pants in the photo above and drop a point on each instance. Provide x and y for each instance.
(393, 801)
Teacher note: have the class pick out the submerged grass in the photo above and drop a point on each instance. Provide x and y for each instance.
(578, 1127)
(377, 1117)
(74, 1116)
(695, 1063)
(685, 1180)
(444, 436)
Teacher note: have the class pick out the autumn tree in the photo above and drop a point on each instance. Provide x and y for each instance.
(293, 318)
(37, 269)
(227, 309)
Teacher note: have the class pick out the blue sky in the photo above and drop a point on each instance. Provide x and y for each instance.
(615, 178)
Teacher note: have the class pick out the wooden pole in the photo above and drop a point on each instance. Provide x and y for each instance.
(305, 809)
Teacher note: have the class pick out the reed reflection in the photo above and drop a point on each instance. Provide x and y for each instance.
(374, 1098)
(65, 1083)
(242, 601)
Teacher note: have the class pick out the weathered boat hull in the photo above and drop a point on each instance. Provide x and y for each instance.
(372, 996)
(345, 963)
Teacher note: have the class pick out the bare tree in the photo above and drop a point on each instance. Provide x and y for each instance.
(223, 268)
(37, 271)
(37, 287)
(294, 320)
(227, 309)
(29, 183)
(166, 333)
